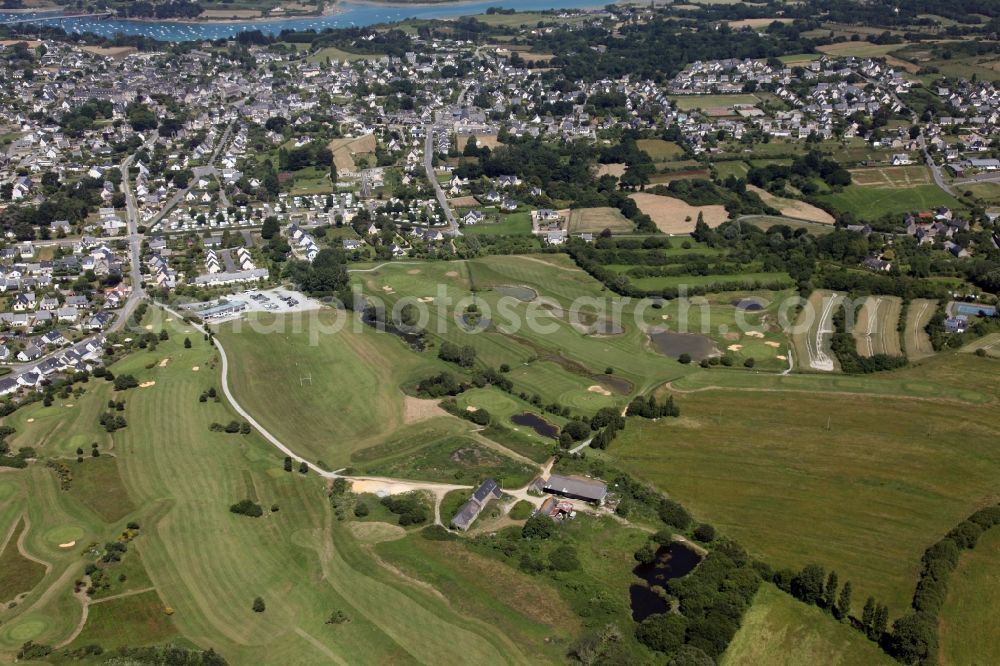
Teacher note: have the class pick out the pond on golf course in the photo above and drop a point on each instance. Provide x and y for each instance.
(521, 293)
(540, 425)
(674, 344)
(673, 561)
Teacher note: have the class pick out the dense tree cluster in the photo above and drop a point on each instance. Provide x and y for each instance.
(410, 507)
(247, 507)
(650, 408)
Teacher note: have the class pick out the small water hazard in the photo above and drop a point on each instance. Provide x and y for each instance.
(673, 561)
(534, 421)
(674, 344)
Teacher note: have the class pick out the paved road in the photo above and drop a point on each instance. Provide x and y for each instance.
(134, 246)
(438, 191)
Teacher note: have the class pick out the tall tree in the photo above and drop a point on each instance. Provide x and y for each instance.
(843, 608)
(830, 594)
(868, 616)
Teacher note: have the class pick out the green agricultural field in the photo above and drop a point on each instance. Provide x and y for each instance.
(735, 168)
(870, 203)
(658, 283)
(989, 344)
(916, 342)
(968, 627)
(779, 630)
(333, 53)
(800, 475)
(660, 150)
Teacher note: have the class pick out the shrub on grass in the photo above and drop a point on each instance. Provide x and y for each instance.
(247, 507)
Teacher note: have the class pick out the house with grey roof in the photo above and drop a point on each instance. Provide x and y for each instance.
(487, 490)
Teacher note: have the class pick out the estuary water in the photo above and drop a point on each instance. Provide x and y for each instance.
(349, 15)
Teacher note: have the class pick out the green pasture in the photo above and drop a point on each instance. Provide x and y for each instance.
(800, 473)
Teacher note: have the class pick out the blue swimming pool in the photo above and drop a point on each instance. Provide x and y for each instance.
(973, 309)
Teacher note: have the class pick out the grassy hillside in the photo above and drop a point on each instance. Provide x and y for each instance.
(969, 626)
(778, 630)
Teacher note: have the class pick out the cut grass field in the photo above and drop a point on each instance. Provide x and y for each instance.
(306, 366)
(793, 207)
(704, 102)
(779, 630)
(876, 328)
(812, 332)
(870, 203)
(916, 342)
(968, 624)
(800, 475)
(346, 148)
(596, 220)
(901, 177)
(514, 224)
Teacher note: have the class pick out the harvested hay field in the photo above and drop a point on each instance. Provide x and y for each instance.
(876, 327)
(596, 220)
(674, 216)
(223, 14)
(757, 22)
(488, 140)
(116, 52)
(898, 177)
(465, 202)
(916, 341)
(793, 207)
(616, 169)
(345, 149)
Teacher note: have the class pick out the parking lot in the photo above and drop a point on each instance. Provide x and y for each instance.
(278, 300)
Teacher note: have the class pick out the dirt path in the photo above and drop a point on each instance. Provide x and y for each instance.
(330, 654)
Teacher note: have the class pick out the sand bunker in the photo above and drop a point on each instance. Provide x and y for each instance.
(451, 274)
(781, 357)
(149, 327)
(413, 271)
(68, 544)
(770, 343)
(68, 404)
(30, 420)
(387, 289)
(734, 348)
(754, 334)
(426, 299)
(596, 388)
(163, 363)
(147, 384)
(195, 369)
(472, 408)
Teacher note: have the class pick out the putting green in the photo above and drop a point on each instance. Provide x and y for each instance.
(64, 534)
(25, 630)
(6, 490)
